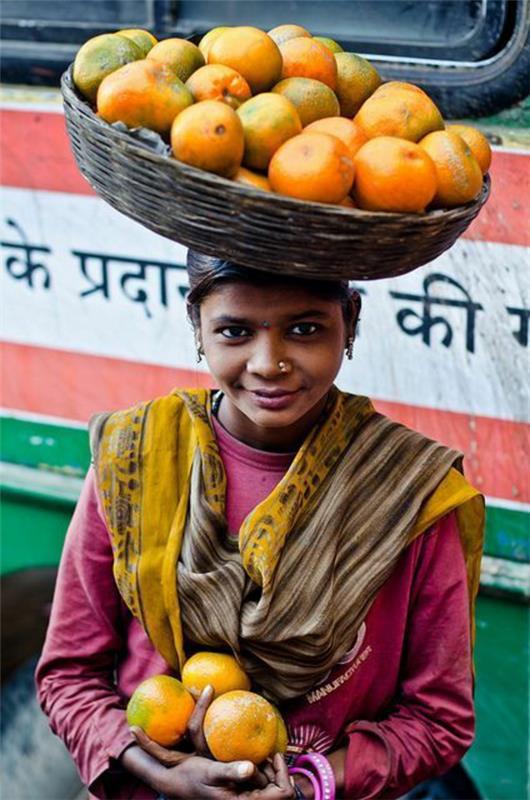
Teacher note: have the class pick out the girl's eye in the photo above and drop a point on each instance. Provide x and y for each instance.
(234, 332)
(304, 328)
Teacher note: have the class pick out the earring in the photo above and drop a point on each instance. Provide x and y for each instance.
(349, 348)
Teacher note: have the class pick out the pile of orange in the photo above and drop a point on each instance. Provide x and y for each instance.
(239, 724)
(288, 113)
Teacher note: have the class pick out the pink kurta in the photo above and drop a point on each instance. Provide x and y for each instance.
(401, 698)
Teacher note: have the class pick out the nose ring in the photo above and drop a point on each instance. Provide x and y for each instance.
(283, 366)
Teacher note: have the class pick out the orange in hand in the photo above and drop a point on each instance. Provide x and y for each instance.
(219, 670)
(161, 707)
(241, 726)
(312, 166)
(393, 175)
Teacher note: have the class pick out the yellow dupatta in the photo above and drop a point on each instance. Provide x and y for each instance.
(145, 459)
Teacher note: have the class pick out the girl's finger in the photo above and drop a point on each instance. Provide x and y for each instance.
(195, 729)
(169, 758)
(220, 774)
(269, 771)
(282, 778)
(261, 779)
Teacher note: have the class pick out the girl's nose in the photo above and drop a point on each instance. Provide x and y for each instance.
(265, 356)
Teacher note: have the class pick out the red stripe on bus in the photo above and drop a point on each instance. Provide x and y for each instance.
(76, 385)
(36, 155)
(504, 218)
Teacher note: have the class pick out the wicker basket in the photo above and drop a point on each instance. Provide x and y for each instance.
(268, 232)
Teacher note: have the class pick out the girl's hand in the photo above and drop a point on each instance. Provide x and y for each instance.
(198, 778)
(278, 783)
(204, 779)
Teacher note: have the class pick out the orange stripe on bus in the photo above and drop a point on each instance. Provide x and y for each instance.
(36, 155)
(76, 385)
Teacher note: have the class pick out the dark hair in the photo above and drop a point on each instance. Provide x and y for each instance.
(207, 273)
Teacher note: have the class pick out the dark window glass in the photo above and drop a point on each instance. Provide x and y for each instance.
(472, 56)
(109, 12)
(421, 28)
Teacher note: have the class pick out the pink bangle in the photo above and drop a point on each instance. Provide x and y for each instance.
(317, 794)
(322, 767)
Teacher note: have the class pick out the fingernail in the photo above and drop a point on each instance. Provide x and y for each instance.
(207, 690)
(244, 770)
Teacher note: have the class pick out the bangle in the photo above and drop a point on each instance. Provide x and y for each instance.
(322, 767)
(317, 794)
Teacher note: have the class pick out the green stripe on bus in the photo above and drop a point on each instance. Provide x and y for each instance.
(64, 450)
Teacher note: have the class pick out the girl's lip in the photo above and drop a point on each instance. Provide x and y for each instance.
(276, 401)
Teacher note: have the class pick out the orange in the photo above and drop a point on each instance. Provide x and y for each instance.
(250, 52)
(346, 130)
(254, 179)
(331, 44)
(357, 79)
(348, 203)
(161, 707)
(312, 166)
(458, 173)
(399, 109)
(282, 33)
(143, 39)
(241, 726)
(282, 737)
(393, 175)
(209, 135)
(99, 57)
(268, 121)
(307, 58)
(181, 56)
(209, 38)
(217, 82)
(477, 143)
(313, 99)
(143, 94)
(219, 670)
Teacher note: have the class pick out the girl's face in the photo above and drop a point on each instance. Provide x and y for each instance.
(245, 332)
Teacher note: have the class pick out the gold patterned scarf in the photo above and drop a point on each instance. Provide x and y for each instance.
(312, 555)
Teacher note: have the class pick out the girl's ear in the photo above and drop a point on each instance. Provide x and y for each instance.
(354, 312)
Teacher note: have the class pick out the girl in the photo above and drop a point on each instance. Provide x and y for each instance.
(335, 553)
